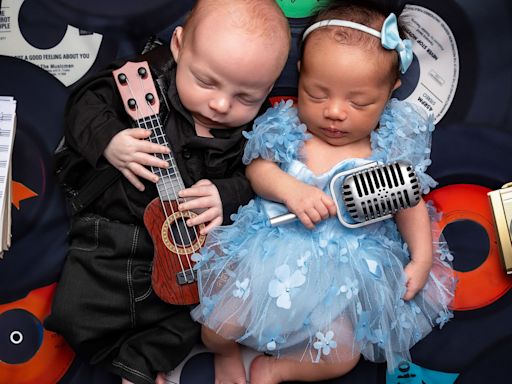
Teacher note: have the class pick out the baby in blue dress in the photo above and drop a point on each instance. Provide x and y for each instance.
(314, 295)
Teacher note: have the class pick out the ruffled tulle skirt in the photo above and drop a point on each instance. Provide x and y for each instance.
(325, 294)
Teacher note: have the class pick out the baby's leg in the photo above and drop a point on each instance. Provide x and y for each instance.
(269, 370)
(229, 367)
(340, 360)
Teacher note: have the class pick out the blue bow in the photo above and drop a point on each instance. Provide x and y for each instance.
(390, 39)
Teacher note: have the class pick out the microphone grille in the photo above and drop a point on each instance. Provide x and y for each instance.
(380, 190)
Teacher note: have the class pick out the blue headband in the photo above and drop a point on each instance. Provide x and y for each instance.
(389, 37)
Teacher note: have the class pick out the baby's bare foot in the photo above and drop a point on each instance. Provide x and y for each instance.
(263, 371)
(229, 369)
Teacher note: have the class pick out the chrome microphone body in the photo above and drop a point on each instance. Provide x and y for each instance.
(370, 193)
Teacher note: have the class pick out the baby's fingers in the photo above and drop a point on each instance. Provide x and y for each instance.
(305, 220)
(329, 205)
(411, 290)
(150, 161)
(134, 180)
(323, 213)
(149, 147)
(141, 171)
(214, 223)
(198, 190)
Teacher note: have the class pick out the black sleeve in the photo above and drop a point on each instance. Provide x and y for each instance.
(234, 192)
(94, 114)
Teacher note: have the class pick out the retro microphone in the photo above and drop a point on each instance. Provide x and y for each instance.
(370, 193)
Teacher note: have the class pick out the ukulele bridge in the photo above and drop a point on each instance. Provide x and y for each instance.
(186, 277)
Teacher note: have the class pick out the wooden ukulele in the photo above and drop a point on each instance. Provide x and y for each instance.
(173, 277)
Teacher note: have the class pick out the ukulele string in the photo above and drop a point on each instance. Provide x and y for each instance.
(139, 122)
(166, 175)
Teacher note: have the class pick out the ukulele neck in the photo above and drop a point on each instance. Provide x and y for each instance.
(170, 181)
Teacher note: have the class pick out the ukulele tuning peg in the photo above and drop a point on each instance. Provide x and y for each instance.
(142, 72)
(122, 78)
(150, 98)
(132, 103)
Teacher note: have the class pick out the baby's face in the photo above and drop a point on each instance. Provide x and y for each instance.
(223, 78)
(343, 90)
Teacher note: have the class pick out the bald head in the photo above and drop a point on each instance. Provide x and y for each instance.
(255, 18)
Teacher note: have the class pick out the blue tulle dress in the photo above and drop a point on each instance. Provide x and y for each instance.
(332, 292)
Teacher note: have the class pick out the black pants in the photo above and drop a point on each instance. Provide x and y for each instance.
(106, 309)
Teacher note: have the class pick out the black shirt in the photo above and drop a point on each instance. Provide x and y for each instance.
(95, 114)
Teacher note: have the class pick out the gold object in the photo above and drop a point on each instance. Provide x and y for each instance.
(501, 204)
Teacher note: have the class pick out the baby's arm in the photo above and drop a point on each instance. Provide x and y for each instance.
(130, 153)
(414, 225)
(308, 203)
(96, 127)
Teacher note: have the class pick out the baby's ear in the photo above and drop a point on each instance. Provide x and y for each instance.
(298, 65)
(177, 43)
(398, 83)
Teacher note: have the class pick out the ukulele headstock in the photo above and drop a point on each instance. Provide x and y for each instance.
(137, 90)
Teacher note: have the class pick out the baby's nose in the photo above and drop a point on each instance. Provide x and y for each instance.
(335, 111)
(220, 104)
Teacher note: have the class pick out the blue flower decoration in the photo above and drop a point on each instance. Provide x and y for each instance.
(350, 288)
(302, 262)
(272, 338)
(202, 258)
(281, 287)
(444, 317)
(242, 289)
(415, 308)
(404, 321)
(444, 253)
(343, 255)
(207, 304)
(380, 338)
(324, 344)
(363, 331)
(277, 135)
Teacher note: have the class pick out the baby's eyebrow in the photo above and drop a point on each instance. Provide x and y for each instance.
(203, 76)
(360, 92)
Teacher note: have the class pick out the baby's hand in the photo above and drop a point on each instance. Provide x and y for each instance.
(204, 199)
(416, 274)
(130, 153)
(310, 204)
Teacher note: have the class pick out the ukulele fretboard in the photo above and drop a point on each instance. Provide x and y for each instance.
(170, 181)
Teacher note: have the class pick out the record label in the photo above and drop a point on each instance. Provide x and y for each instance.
(68, 60)
(302, 8)
(435, 48)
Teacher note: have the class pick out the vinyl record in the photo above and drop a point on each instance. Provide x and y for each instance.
(483, 296)
(303, 8)
(123, 19)
(29, 353)
(444, 64)
(39, 220)
(37, 36)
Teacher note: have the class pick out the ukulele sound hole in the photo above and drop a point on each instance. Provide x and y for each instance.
(181, 234)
